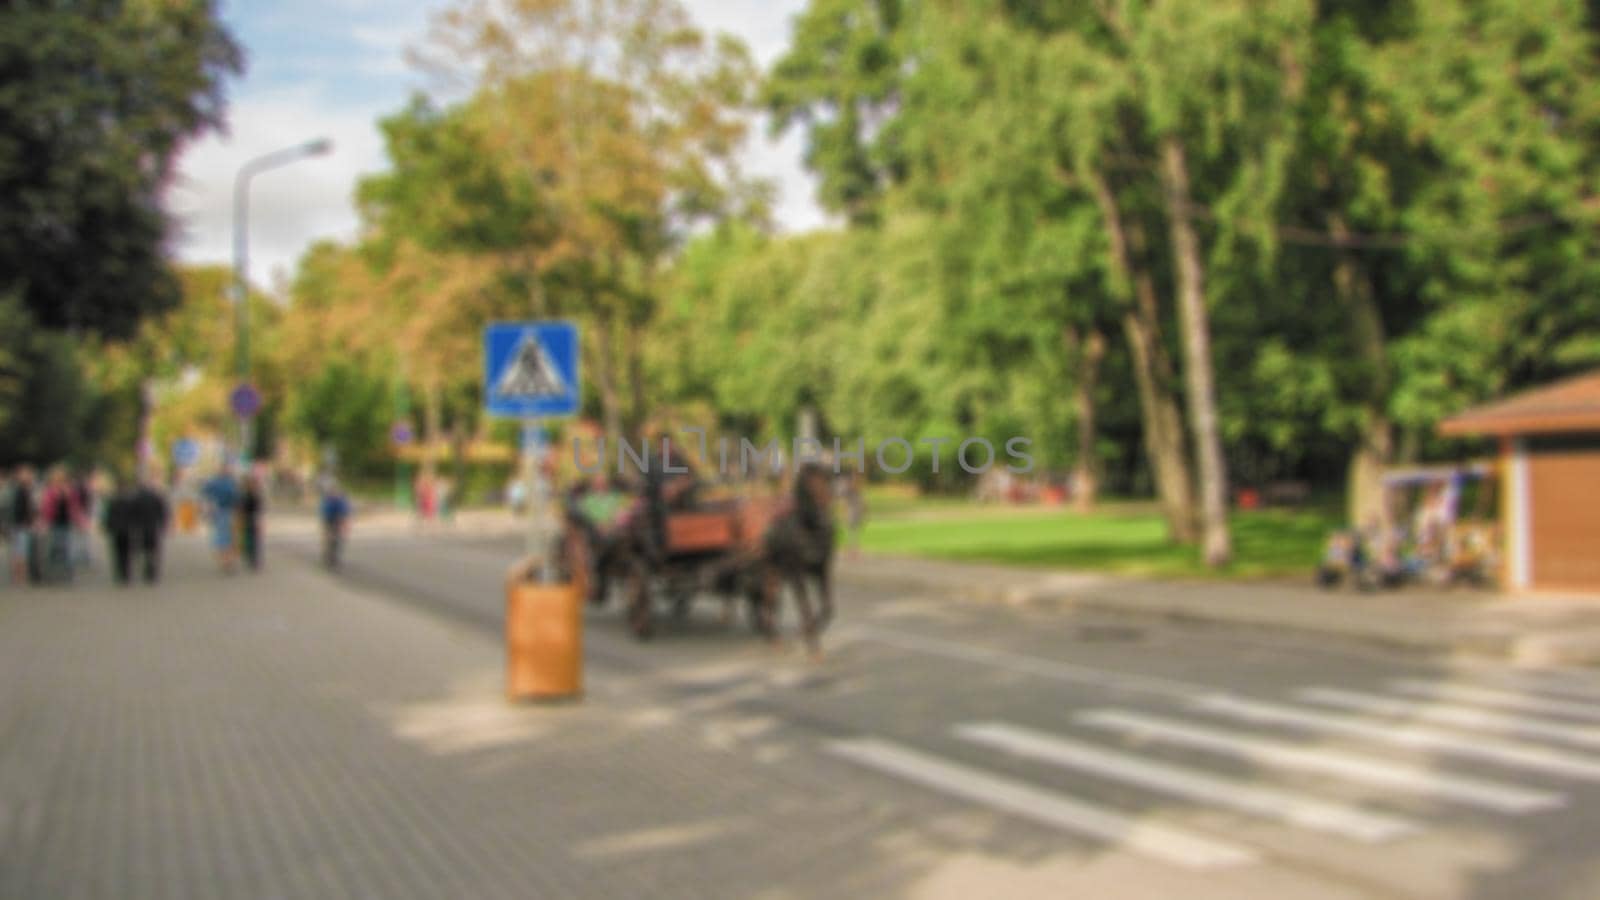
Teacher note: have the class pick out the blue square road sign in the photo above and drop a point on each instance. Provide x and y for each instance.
(530, 369)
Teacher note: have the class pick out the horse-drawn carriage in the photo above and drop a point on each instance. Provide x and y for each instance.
(664, 544)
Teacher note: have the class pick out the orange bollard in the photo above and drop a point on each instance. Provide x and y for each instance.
(544, 637)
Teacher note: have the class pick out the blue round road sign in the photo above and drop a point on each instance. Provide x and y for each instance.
(401, 433)
(245, 401)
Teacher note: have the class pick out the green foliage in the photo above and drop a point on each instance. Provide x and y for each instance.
(841, 77)
(96, 99)
(1393, 205)
(447, 191)
(347, 408)
(1434, 158)
(49, 412)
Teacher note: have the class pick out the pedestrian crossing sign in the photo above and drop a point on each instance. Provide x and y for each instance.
(530, 369)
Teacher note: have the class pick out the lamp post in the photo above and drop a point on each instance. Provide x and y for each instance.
(241, 258)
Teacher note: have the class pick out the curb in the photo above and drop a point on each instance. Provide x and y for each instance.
(1530, 649)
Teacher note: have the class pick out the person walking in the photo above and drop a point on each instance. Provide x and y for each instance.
(426, 490)
(7, 487)
(24, 520)
(335, 516)
(447, 501)
(118, 525)
(250, 505)
(149, 516)
(87, 500)
(62, 516)
(221, 494)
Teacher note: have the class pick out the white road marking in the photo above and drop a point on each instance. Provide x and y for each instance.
(1283, 806)
(1572, 709)
(1163, 842)
(1024, 664)
(1458, 716)
(1507, 753)
(1492, 795)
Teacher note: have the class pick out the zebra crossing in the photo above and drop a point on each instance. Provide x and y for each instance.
(1505, 727)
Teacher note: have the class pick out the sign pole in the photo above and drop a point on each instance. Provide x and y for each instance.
(540, 495)
(530, 469)
(531, 374)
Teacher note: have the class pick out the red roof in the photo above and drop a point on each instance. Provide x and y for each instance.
(1566, 406)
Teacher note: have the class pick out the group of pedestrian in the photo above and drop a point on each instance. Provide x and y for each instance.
(234, 505)
(46, 524)
(433, 499)
(136, 518)
(48, 527)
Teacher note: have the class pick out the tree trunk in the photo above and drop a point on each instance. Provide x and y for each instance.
(606, 378)
(1090, 349)
(634, 345)
(432, 413)
(144, 451)
(458, 457)
(1198, 376)
(1160, 416)
(1375, 447)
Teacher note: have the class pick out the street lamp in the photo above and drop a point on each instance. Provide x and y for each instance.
(241, 257)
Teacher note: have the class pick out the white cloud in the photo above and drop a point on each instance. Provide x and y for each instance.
(762, 24)
(392, 38)
(780, 161)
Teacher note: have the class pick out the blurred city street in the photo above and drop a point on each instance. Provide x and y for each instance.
(298, 734)
(799, 448)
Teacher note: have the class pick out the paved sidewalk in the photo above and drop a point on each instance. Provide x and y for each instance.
(281, 735)
(1534, 631)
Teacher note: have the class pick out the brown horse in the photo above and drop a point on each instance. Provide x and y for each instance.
(797, 547)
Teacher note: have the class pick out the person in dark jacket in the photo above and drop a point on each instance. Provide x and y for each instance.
(670, 483)
(250, 505)
(24, 521)
(148, 514)
(119, 530)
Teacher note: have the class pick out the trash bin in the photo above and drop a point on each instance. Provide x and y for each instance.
(188, 516)
(544, 636)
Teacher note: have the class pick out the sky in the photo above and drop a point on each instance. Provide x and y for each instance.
(331, 69)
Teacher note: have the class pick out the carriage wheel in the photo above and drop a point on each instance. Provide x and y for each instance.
(572, 548)
(584, 564)
(682, 598)
(754, 613)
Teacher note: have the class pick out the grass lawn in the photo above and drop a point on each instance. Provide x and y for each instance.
(1267, 543)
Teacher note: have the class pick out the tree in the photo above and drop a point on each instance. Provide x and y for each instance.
(172, 376)
(345, 407)
(842, 80)
(46, 406)
(635, 143)
(96, 99)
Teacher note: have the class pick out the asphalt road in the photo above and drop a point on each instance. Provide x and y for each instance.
(1037, 753)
